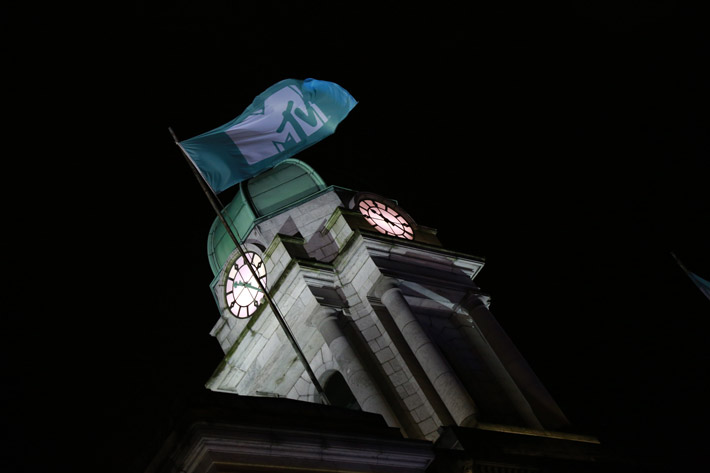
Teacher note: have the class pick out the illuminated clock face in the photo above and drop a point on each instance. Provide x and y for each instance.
(242, 289)
(385, 219)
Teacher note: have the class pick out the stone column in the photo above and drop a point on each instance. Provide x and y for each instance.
(359, 381)
(476, 339)
(536, 398)
(442, 376)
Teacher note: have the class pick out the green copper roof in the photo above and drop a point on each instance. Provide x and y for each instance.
(260, 197)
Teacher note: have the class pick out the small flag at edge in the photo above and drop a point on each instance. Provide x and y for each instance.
(702, 284)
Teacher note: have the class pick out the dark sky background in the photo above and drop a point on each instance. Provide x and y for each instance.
(566, 145)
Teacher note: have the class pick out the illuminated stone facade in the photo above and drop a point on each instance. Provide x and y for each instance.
(418, 375)
(400, 319)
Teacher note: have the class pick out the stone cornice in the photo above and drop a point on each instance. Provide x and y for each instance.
(217, 448)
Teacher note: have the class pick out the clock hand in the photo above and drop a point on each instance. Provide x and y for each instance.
(247, 285)
(393, 223)
(382, 215)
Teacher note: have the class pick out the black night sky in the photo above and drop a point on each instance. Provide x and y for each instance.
(566, 145)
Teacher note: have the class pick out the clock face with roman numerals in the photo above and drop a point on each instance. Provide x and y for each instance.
(242, 290)
(385, 219)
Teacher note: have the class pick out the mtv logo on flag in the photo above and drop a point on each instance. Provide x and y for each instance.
(283, 120)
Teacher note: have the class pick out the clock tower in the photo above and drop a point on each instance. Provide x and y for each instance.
(354, 341)
(389, 321)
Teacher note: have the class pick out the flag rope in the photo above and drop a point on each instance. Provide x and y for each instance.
(213, 199)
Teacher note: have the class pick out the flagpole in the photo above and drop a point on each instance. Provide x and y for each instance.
(682, 266)
(213, 199)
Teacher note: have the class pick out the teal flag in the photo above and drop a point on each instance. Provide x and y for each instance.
(701, 283)
(285, 119)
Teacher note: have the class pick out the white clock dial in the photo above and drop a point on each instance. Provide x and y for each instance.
(242, 290)
(385, 219)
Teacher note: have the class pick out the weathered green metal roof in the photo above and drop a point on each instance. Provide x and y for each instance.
(260, 197)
